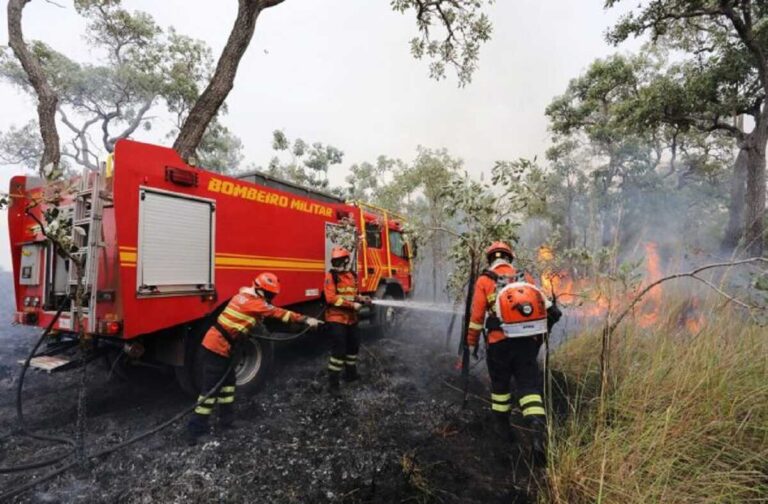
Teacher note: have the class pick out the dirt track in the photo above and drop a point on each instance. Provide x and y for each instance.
(400, 435)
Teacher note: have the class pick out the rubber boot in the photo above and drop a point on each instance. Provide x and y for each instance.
(350, 373)
(227, 418)
(197, 428)
(538, 428)
(334, 383)
(501, 427)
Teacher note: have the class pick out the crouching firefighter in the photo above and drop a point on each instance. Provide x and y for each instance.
(243, 312)
(343, 302)
(514, 314)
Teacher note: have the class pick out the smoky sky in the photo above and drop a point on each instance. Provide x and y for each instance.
(340, 72)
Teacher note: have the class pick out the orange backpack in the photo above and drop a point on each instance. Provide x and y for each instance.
(520, 308)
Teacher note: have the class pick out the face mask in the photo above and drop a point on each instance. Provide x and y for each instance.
(342, 266)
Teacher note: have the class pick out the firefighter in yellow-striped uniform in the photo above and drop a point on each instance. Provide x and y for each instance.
(344, 301)
(511, 355)
(243, 312)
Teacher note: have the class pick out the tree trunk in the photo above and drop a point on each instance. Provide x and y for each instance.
(754, 229)
(569, 234)
(735, 230)
(437, 249)
(46, 96)
(207, 106)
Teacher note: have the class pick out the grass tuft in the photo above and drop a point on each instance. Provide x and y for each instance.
(684, 417)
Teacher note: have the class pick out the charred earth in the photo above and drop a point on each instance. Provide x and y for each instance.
(398, 435)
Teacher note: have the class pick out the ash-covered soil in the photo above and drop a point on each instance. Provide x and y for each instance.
(399, 435)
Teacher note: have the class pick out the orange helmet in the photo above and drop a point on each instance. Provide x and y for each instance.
(499, 247)
(267, 282)
(339, 253)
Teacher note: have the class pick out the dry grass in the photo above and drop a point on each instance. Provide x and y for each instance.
(685, 414)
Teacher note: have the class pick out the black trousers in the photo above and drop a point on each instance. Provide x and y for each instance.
(214, 368)
(516, 357)
(345, 344)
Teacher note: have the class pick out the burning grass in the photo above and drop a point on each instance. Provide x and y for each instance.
(684, 417)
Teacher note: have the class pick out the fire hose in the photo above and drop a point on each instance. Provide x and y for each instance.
(138, 437)
(105, 451)
(20, 414)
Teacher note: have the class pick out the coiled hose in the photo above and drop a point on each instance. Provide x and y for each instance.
(20, 413)
(106, 451)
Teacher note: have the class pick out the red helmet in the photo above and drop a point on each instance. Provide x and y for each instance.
(267, 282)
(499, 247)
(339, 253)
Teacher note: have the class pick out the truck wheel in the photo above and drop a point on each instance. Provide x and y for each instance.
(254, 365)
(386, 318)
(187, 375)
(251, 370)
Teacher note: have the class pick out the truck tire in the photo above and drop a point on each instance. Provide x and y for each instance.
(251, 370)
(386, 318)
(254, 366)
(186, 375)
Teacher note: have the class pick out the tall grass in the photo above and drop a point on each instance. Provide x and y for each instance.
(684, 417)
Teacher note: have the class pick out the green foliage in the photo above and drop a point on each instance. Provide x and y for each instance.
(484, 213)
(617, 170)
(462, 28)
(21, 146)
(723, 72)
(219, 150)
(378, 184)
(142, 69)
(344, 234)
(306, 165)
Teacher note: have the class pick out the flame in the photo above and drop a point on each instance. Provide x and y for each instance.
(650, 307)
(584, 297)
(575, 293)
(693, 318)
(546, 254)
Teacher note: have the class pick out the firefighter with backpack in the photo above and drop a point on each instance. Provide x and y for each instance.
(243, 312)
(515, 316)
(343, 302)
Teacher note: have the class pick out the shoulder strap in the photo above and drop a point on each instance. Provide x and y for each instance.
(490, 274)
(223, 332)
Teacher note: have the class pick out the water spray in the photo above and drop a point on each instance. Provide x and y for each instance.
(417, 305)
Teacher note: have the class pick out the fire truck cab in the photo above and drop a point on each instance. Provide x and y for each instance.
(161, 246)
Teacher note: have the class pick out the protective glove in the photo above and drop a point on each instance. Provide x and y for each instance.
(553, 316)
(312, 322)
(357, 306)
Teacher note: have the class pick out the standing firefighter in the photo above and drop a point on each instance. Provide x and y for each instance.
(514, 313)
(244, 311)
(343, 300)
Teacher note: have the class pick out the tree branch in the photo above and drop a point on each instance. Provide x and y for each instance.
(128, 131)
(207, 106)
(690, 274)
(83, 152)
(747, 37)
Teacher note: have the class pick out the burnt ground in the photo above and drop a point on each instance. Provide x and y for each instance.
(399, 435)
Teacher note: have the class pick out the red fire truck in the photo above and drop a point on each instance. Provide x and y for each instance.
(165, 245)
